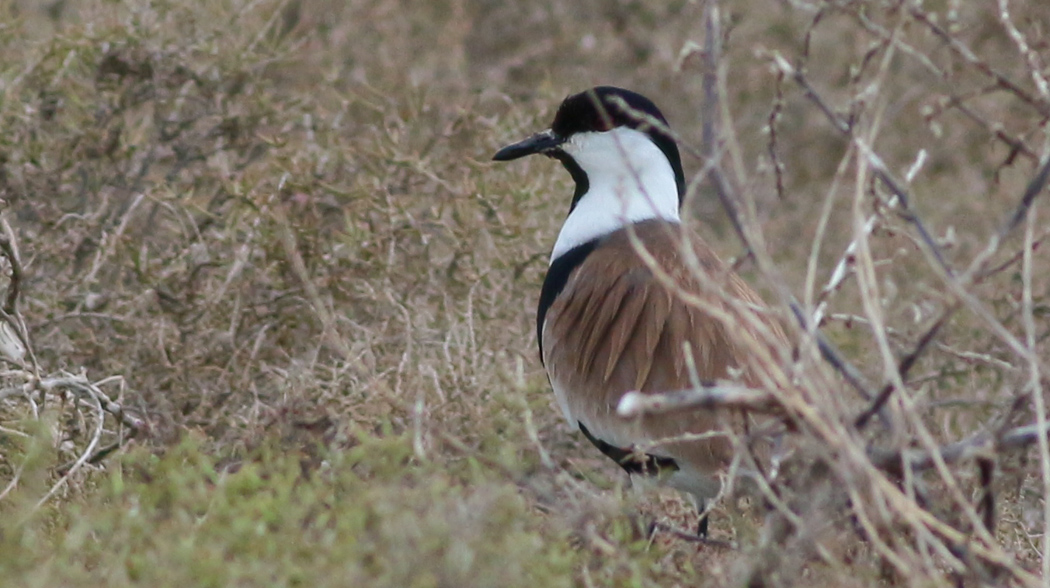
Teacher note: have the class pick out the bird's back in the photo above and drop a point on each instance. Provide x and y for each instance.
(623, 323)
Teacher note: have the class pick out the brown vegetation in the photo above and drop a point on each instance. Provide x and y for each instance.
(267, 311)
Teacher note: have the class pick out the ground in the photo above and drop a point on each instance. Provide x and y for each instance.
(272, 320)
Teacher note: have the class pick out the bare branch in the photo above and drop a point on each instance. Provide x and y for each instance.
(905, 365)
(720, 395)
(14, 288)
(711, 115)
(878, 167)
(960, 49)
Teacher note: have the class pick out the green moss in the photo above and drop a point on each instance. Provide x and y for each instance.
(365, 517)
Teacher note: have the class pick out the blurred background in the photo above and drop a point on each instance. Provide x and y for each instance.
(269, 234)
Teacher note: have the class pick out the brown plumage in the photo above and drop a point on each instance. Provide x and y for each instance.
(622, 309)
(616, 328)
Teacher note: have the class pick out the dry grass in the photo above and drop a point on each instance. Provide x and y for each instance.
(280, 306)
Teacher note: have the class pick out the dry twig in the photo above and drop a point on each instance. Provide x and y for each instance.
(25, 383)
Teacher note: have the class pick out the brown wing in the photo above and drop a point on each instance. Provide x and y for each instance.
(616, 328)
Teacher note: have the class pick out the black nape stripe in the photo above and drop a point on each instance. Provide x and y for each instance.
(632, 463)
(557, 276)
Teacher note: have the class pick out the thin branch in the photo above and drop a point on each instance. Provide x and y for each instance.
(952, 100)
(1034, 188)
(84, 455)
(878, 167)
(831, 354)
(1042, 106)
(973, 447)
(905, 366)
(710, 115)
(720, 395)
(1035, 382)
(774, 118)
(971, 275)
(14, 288)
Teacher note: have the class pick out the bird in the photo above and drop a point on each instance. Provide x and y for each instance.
(618, 308)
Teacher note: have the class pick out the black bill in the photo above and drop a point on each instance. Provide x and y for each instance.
(538, 143)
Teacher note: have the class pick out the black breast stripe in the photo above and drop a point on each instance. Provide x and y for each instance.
(632, 463)
(557, 276)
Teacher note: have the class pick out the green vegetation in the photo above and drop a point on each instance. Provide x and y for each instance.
(174, 520)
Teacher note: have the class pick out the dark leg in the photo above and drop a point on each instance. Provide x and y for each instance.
(700, 538)
(701, 531)
(651, 529)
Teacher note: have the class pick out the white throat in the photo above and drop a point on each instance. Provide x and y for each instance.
(630, 180)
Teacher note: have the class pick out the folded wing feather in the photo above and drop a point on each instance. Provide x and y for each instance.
(616, 328)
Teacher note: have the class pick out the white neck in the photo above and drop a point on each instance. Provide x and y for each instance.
(630, 180)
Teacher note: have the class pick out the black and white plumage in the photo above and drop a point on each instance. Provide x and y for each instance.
(607, 323)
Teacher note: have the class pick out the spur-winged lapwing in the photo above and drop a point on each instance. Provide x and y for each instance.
(622, 309)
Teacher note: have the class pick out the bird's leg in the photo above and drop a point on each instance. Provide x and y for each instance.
(651, 529)
(702, 529)
(686, 536)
